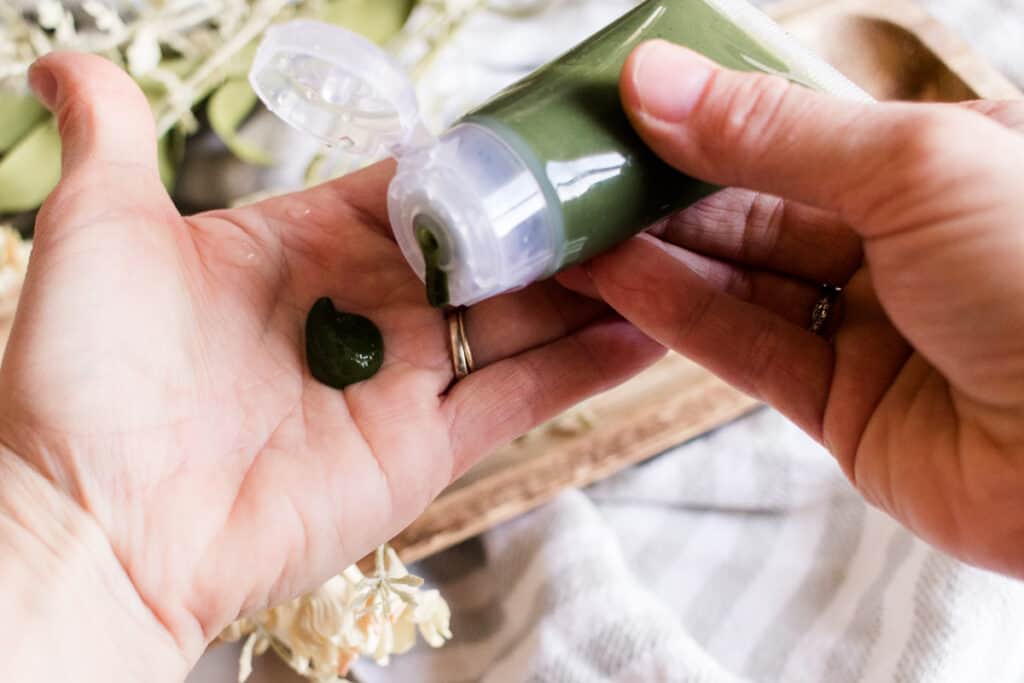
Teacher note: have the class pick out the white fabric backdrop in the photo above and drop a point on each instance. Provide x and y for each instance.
(741, 556)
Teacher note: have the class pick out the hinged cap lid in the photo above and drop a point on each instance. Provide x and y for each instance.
(339, 87)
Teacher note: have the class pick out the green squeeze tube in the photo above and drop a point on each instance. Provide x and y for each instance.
(546, 174)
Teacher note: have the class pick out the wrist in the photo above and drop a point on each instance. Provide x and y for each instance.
(71, 612)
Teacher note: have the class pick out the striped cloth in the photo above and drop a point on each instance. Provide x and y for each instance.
(742, 556)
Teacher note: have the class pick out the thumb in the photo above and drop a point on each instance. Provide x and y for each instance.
(105, 122)
(933, 189)
(764, 133)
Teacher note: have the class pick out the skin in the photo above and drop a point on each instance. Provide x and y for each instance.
(915, 210)
(170, 464)
(167, 462)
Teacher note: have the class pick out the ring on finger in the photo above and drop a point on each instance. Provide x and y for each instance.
(462, 355)
(823, 313)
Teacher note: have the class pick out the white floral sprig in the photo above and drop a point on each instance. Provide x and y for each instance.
(321, 634)
(205, 34)
(430, 28)
(205, 77)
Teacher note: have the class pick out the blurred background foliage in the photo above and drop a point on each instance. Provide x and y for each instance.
(191, 58)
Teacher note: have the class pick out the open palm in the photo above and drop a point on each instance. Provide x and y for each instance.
(156, 374)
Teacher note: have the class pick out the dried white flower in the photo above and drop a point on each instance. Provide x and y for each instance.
(144, 52)
(237, 630)
(321, 634)
(51, 13)
(433, 617)
(55, 17)
(206, 38)
(104, 16)
(380, 601)
(255, 645)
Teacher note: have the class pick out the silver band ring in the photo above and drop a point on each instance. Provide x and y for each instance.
(824, 309)
(462, 356)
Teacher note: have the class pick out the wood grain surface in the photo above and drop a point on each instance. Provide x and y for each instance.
(893, 49)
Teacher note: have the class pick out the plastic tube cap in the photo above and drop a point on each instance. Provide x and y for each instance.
(338, 87)
(486, 209)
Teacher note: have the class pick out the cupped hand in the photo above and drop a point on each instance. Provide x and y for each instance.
(915, 210)
(155, 373)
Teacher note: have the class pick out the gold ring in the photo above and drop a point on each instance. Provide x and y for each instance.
(823, 310)
(462, 356)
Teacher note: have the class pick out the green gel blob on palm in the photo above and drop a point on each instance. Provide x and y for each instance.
(341, 348)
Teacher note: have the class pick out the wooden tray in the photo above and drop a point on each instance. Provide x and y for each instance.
(894, 50)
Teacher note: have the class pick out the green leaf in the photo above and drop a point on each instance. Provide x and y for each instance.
(378, 20)
(170, 153)
(31, 169)
(18, 115)
(238, 66)
(226, 109)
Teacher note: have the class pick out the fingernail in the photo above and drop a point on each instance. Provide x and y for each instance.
(43, 84)
(669, 79)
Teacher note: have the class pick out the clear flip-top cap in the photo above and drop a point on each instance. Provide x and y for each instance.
(339, 87)
(478, 200)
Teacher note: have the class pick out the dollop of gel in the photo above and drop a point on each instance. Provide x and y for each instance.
(341, 348)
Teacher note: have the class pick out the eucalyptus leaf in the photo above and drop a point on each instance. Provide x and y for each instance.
(378, 20)
(239, 65)
(18, 115)
(31, 169)
(170, 152)
(226, 109)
